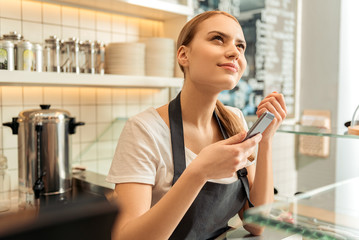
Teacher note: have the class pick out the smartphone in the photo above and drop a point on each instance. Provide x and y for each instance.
(260, 125)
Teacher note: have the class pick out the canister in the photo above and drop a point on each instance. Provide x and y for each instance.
(70, 55)
(52, 54)
(14, 37)
(7, 60)
(38, 57)
(25, 56)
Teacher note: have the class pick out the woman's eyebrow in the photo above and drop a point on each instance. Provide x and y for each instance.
(226, 36)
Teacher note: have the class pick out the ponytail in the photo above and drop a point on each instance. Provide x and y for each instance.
(231, 122)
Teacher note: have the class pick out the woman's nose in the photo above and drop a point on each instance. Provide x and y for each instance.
(232, 52)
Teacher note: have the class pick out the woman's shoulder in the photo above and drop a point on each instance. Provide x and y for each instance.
(148, 119)
(236, 111)
(240, 115)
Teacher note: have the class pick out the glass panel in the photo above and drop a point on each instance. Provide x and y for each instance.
(315, 131)
(114, 128)
(329, 212)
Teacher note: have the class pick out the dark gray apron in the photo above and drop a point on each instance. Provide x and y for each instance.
(216, 203)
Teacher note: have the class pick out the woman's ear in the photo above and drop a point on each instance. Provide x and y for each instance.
(182, 57)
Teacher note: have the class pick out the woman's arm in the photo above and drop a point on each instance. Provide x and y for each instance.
(261, 177)
(137, 220)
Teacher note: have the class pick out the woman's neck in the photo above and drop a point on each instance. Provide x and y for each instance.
(197, 106)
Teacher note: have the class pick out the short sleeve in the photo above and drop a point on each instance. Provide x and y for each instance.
(136, 155)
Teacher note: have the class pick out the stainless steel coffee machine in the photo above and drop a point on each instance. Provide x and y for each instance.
(43, 154)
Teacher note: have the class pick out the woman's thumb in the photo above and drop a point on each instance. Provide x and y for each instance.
(239, 137)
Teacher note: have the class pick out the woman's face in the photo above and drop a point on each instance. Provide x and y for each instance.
(215, 57)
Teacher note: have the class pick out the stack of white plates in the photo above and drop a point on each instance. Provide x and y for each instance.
(125, 58)
(160, 57)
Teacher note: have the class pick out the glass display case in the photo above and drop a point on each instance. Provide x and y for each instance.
(329, 212)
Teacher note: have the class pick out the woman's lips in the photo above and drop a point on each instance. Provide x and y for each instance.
(229, 66)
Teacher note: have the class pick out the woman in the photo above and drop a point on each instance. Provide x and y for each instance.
(178, 175)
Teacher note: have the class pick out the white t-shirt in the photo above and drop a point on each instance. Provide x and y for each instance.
(144, 153)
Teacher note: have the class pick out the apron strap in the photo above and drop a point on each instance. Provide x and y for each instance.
(176, 128)
(242, 175)
(223, 131)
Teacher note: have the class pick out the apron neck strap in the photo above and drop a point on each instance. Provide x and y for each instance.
(177, 138)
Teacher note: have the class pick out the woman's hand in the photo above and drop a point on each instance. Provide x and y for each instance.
(224, 158)
(275, 104)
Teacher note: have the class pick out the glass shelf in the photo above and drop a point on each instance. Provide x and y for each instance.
(329, 212)
(315, 131)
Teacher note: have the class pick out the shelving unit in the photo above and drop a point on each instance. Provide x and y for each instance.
(23, 78)
(173, 15)
(154, 9)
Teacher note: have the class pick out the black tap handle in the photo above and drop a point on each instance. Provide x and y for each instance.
(38, 187)
(14, 125)
(45, 106)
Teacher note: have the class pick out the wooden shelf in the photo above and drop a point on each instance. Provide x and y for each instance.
(24, 78)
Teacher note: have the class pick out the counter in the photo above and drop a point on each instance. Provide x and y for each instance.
(89, 214)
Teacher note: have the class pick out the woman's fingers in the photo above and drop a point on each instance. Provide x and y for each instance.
(275, 97)
(275, 104)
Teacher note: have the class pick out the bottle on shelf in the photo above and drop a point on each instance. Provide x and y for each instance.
(5, 185)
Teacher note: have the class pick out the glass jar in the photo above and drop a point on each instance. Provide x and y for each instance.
(5, 185)
(87, 57)
(52, 54)
(100, 57)
(354, 126)
(70, 55)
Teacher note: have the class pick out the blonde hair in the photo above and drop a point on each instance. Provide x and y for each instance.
(230, 120)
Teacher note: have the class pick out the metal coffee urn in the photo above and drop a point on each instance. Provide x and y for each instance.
(44, 155)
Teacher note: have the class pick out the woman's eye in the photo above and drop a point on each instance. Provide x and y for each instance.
(219, 38)
(241, 46)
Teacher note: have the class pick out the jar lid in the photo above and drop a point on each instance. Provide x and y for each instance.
(72, 40)
(3, 162)
(13, 36)
(45, 114)
(52, 39)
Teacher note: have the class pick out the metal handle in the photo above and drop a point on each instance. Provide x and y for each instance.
(14, 125)
(73, 124)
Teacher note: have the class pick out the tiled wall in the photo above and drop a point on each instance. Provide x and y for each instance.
(36, 21)
(97, 107)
